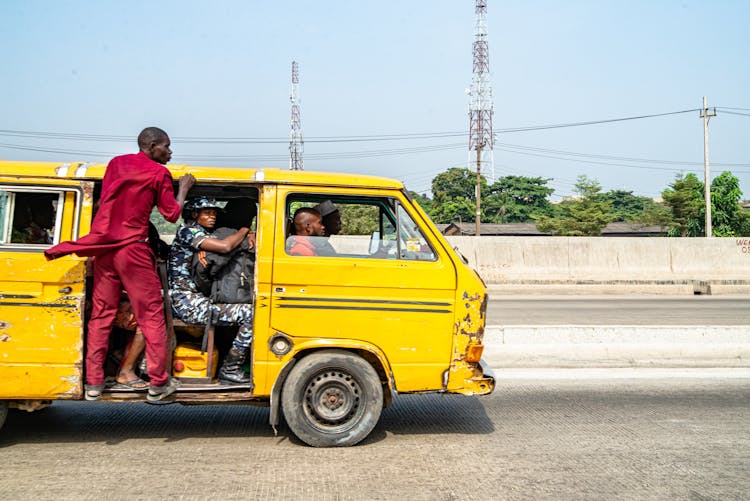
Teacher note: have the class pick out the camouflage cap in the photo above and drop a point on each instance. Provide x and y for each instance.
(199, 203)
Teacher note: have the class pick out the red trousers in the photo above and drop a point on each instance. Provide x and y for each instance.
(133, 268)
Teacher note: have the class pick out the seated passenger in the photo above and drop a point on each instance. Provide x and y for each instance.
(189, 303)
(238, 212)
(331, 217)
(126, 376)
(332, 224)
(307, 227)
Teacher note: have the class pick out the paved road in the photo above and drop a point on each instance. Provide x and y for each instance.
(587, 438)
(618, 310)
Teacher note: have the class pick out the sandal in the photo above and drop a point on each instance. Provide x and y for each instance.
(93, 392)
(135, 384)
(156, 393)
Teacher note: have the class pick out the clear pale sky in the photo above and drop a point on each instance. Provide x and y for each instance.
(222, 69)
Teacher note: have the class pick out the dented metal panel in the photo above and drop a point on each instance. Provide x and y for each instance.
(465, 376)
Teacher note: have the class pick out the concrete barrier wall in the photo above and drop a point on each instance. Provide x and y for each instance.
(603, 259)
(544, 346)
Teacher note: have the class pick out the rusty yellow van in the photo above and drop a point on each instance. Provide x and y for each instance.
(392, 309)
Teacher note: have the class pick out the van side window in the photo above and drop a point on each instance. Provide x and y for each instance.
(28, 217)
(373, 228)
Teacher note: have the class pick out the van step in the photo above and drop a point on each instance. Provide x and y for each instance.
(219, 396)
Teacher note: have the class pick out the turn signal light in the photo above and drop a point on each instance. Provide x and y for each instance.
(474, 352)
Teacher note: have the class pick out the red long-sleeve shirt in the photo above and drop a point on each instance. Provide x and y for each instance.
(132, 185)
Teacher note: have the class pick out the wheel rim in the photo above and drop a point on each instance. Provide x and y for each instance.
(334, 401)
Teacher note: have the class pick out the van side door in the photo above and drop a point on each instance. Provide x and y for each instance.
(378, 283)
(41, 302)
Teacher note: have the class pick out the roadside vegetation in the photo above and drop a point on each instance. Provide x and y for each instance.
(519, 199)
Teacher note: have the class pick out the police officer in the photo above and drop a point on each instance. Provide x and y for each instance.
(193, 306)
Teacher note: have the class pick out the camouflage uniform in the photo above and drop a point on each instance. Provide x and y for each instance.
(192, 306)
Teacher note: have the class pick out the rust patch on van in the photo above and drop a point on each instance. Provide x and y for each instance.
(469, 329)
(472, 324)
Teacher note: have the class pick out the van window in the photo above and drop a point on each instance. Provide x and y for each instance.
(372, 228)
(29, 217)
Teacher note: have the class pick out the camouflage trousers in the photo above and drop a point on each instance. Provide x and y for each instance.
(193, 308)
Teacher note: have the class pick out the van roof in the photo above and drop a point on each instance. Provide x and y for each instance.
(94, 171)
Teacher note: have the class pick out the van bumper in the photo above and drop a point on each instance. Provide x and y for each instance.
(483, 384)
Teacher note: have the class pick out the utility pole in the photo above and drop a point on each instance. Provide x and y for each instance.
(296, 143)
(478, 191)
(706, 115)
(480, 106)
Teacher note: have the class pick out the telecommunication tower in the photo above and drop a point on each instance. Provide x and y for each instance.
(296, 143)
(480, 105)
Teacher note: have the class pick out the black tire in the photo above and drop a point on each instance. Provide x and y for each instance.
(332, 398)
(3, 412)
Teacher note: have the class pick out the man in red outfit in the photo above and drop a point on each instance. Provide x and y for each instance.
(118, 240)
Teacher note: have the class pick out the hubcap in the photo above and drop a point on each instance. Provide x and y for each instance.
(333, 401)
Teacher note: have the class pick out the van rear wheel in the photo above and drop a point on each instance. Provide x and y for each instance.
(332, 398)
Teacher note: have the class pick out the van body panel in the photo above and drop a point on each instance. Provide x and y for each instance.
(265, 371)
(42, 302)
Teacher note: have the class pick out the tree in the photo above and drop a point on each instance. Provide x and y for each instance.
(684, 197)
(586, 215)
(515, 199)
(423, 201)
(454, 197)
(625, 205)
(456, 210)
(456, 183)
(654, 214)
(727, 217)
(358, 219)
(162, 225)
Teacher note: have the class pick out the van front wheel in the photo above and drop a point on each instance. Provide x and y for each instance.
(332, 398)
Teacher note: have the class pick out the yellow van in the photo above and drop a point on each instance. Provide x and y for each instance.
(392, 308)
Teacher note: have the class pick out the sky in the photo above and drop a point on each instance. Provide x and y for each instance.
(217, 77)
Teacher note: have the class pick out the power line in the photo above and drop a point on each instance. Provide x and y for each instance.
(736, 113)
(321, 139)
(593, 122)
(603, 163)
(231, 140)
(259, 158)
(611, 157)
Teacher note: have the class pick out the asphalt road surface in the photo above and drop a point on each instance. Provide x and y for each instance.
(618, 310)
(587, 438)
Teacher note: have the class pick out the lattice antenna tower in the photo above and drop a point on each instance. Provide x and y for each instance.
(481, 108)
(296, 142)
